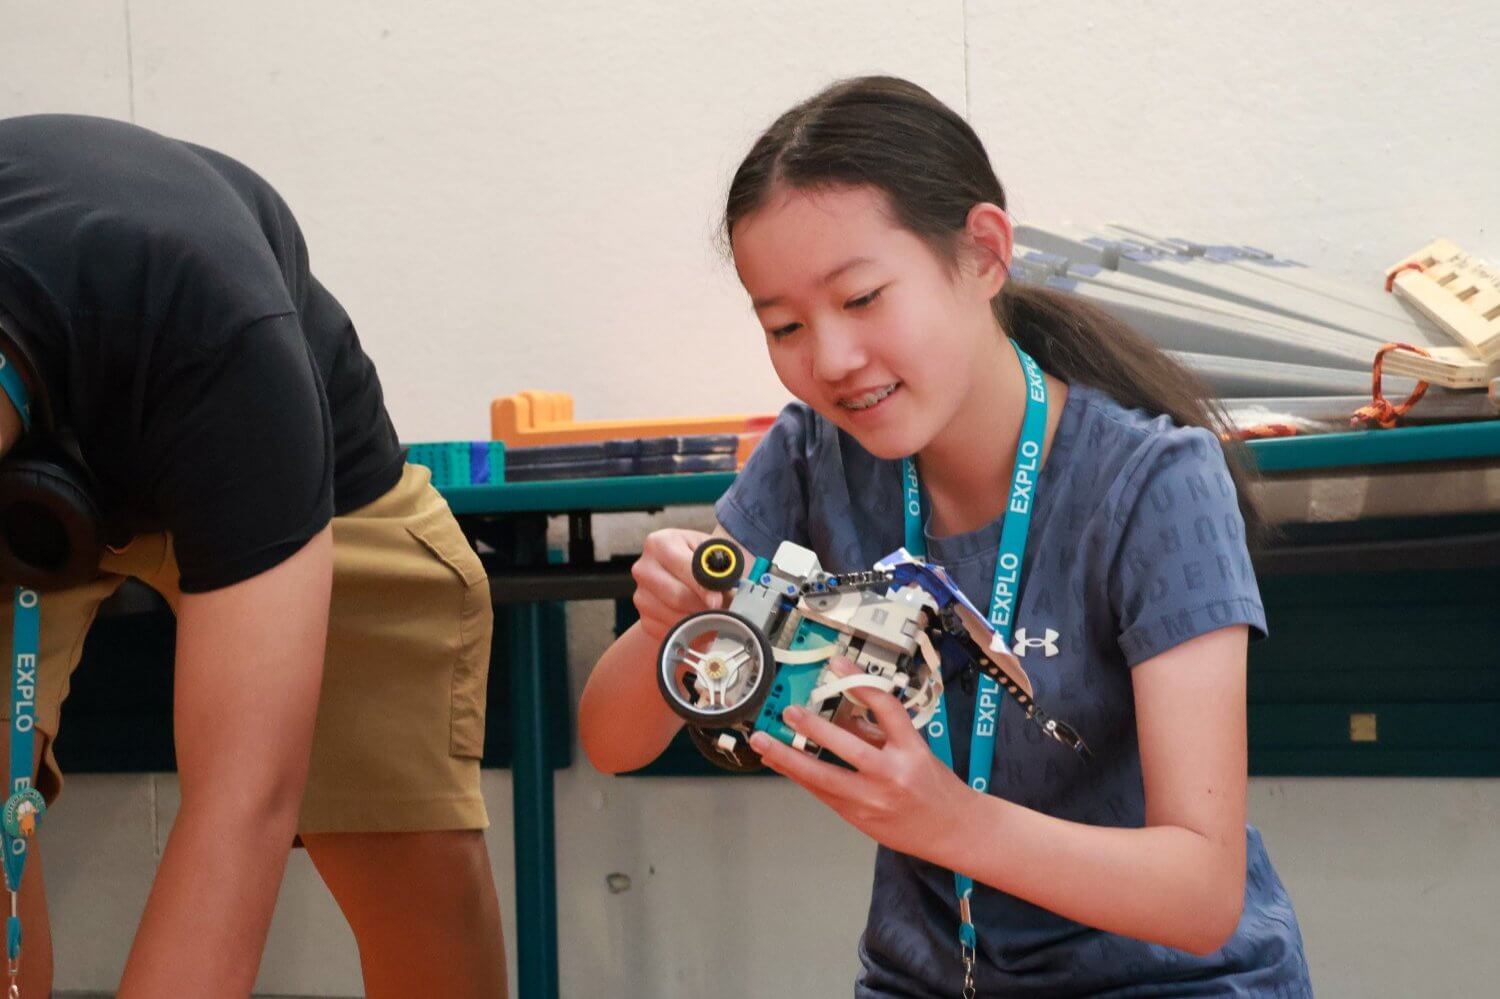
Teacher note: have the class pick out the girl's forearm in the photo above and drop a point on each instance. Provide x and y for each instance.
(622, 720)
(1165, 884)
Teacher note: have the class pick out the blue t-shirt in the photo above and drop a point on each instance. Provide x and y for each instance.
(1136, 545)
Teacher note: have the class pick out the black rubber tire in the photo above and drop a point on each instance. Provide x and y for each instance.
(718, 564)
(743, 760)
(747, 708)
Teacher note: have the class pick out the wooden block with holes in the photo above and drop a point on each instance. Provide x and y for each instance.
(1451, 367)
(1458, 292)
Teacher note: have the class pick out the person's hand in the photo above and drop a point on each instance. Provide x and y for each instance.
(665, 590)
(853, 714)
(898, 793)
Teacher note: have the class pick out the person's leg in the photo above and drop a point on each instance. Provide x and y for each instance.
(393, 814)
(423, 909)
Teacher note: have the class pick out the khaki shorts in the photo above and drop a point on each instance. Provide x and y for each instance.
(401, 718)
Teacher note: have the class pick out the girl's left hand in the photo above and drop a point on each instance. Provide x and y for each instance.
(898, 793)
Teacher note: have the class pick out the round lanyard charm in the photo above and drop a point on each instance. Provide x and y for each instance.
(21, 813)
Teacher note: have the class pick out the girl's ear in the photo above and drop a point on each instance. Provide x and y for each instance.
(990, 242)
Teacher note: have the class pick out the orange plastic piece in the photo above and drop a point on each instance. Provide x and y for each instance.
(531, 418)
(1380, 411)
(1390, 279)
(1259, 432)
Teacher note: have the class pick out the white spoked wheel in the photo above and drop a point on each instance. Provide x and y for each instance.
(715, 669)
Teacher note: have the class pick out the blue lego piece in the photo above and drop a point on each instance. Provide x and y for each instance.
(460, 463)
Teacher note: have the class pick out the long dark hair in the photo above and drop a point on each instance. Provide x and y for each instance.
(892, 135)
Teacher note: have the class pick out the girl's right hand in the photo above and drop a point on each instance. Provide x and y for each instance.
(665, 591)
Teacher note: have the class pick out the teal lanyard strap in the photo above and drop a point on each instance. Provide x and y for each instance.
(1004, 593)
(24, 804)
(14, 386)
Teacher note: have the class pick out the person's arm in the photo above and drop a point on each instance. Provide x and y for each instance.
(1178, 881)
(622, 719)
(248, 670)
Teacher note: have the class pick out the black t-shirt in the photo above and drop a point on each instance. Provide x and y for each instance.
(215, 388)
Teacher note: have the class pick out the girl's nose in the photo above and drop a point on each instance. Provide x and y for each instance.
(837, 352)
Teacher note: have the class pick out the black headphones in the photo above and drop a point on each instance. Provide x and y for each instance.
(51, 530)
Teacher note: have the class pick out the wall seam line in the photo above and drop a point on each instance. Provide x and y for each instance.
(968, 103)
(129, 63)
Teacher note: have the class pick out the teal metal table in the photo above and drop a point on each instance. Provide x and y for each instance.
(511, 520)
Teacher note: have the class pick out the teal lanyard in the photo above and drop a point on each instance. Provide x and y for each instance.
(14, 386)
(1005, 592)
(24, 804)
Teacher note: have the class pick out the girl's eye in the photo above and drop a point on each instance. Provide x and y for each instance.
(785, 331)
(864, 300)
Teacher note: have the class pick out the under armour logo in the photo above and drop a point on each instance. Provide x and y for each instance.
(1048, 643)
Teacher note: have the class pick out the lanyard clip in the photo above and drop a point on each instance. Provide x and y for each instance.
(966, 938)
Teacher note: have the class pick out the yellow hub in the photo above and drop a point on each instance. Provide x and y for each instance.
(719, 562)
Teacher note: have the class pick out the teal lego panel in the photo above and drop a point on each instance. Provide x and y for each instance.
(460, 464)
(794, 684)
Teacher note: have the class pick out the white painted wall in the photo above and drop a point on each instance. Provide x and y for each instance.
(511, 196)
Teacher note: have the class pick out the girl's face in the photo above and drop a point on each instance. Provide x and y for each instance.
(863, 321)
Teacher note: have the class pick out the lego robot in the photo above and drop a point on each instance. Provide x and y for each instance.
(729, 673)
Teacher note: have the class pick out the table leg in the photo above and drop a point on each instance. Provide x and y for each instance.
(531, 780)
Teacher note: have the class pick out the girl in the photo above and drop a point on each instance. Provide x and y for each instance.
(871, 234)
